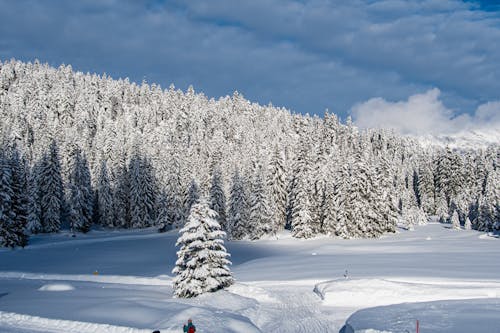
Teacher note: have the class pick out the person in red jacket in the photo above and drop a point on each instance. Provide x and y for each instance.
(189, 327)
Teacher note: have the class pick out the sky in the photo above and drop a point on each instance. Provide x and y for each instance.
(383, 62)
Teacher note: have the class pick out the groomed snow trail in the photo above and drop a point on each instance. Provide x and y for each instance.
(296, 309)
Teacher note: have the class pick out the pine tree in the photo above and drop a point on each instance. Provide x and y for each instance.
(7, 216)
(218, 198)
(81, 196)
(105, 197)
(18, 165)
(142, 192)
(192, 196)
(468, 224)
(121, 196)
(277, 187)
(202, 265)
(425, 188)
(34, 224)
(162, 215)
(455, 222)
(238, 226)
(301, 217)
(175, 196)
(51, 188)
(259, 215)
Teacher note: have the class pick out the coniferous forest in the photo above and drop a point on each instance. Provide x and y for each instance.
(80, 150)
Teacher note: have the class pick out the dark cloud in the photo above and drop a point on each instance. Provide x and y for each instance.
(304, 55)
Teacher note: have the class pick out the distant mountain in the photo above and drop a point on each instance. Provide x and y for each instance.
(474, 139)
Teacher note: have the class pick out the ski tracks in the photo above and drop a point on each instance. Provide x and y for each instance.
(297, 309)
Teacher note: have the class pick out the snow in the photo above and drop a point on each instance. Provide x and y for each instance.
(447, 279)
(56, 287)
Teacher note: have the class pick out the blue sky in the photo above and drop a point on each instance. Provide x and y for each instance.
(304, 55)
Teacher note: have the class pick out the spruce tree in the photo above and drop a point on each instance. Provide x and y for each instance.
(142, 192)
(192, 196)
(51, 188)
(202, 265)
(277, 187)
(238, 225)
(259, 215)
(18, 165)
(468, 224)
(175, 196)
(455, 222)
(121, 196)
(34, 224)
(218, 198)
(105, 197)
(81, 199)
(301, 216)
(7, 216)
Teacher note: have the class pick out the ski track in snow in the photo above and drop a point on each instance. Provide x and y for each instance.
(20, 323)
(296, 309)
(113, 279)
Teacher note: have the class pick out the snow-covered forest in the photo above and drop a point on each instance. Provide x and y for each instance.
(80, 149)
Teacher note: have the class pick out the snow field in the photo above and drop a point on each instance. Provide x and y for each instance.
(280, 286)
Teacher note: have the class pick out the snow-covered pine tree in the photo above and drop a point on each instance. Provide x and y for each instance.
(18, 165)
(175, 195)
(259, 212)
(301, 216)
(7, 216)
(142, 192)
(425, 188)
(455, 222)
(34, 224)
(218, 198)
(388, 207)
(202, 265)
(277, 186)
(237, 220)
(192, 196)
(81, 196)
(467, 224)
(121, 196)
(105, 197)
(51, 188)
(162, 217)
(332, 210)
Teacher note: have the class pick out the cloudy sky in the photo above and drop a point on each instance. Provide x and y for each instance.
(434, 63)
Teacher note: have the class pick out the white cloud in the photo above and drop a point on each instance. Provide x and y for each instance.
(424, 114)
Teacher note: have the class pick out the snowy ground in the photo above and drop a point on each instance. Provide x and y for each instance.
(448, 280)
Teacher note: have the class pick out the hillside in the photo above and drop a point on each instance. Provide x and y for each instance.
(80, 150)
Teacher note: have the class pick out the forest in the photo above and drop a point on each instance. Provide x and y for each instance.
(80, 150)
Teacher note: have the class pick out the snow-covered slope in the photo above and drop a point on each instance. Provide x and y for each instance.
(283, 285)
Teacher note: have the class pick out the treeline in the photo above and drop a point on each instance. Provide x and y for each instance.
(93, 150)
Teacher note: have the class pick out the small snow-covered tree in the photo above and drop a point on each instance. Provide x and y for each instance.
(455, 222)
(202, 265)
(467, 224)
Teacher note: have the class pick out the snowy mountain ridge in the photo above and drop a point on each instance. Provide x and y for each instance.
(468, 140)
